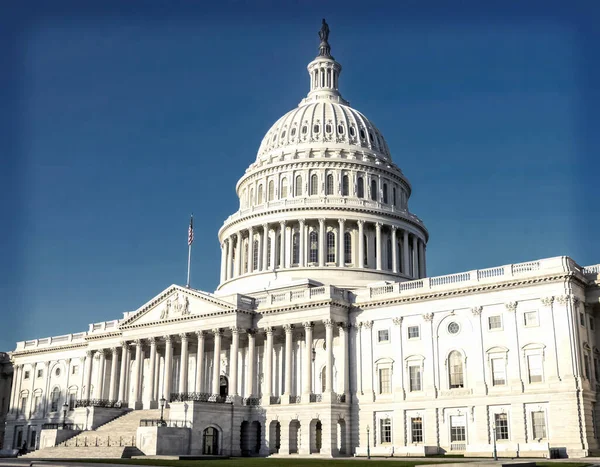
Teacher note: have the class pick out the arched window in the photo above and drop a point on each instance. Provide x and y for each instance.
(329, 186)
(323, 379)
(255, 254)
(269, 265)
(345, 186)
(347, 247)
(54, 396)
(244, 198)
(373, 190)
(394, 201)
(271, 194)
(284, 188)
(251, 197)
(296, 248)
(360, 187)
(260, 194)
(389, 253)
(385, 193)
(330, 247)
(313, 239)
(455, 368)
(298, 185)
(314, 184)
(245, 257)
(210, 441)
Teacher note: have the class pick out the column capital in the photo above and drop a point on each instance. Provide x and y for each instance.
(88, 354)
(428, 317)
(343, 325)
(366, 324)
(124, 344)
(268, 330)
(511, 306)
(360, 222)
(288, 328)
(341, 221)
(97, 355)
(68, 360)
(282, 224)
(217, 332)
(167, 338)
(321, 221)
(301, 221)
(397, 320)
(137, 342)
(378, 225)
(561, 299)
(183, 336)
(308, 325)
(152, 340)
(476, 310)
(328, 323)
(394, 228)
(265, 226)
(114, 351)
(251, 331)
(200, 334)
(547, 301)
(239, 236)
(235, 329)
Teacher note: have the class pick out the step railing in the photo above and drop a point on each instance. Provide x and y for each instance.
(169, 423)
(99, 441)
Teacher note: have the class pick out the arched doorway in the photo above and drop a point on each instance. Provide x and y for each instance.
(274, 437)
(244, 438)
(294, 439)
(256, 437)
(341, 425)
(316, 436)
(210, 441)
(223, 386)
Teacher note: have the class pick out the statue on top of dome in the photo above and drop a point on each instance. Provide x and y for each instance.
(324, 48)
(324, 32)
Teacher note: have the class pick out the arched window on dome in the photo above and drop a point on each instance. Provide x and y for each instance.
(385, 193)
(374, 190)
(244, 199)
(331, 247)
(298, 187)
(295, 249)
(375, 248)
(394, 200)
(345, 185)
(329, 185)
(314, 184)
(269, 249)
(255, 254)
(455, 369)
(251, 197)
(245, 266)
(260, 194)
(347, 248)
(360, 187)
(313, 240)
(389, 253)
(271, 192)
(284, 188)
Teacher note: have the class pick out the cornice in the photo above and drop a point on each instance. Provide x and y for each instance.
(21, 353)
(185, 318)
(103, 336)
(303, 306)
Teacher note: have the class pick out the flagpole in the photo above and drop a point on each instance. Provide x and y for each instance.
(190, 241)
(189, 264)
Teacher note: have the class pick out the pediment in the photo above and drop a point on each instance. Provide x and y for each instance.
(176, 304)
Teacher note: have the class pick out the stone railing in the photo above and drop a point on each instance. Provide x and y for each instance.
(295, 399)
(98, 441)
(199, 397)
(97, 403)
(251, 401)
(62, 426)
(303, 295)
(592, 270)
(274, 400)
(340, 398)
(316, 398)
(169, 423)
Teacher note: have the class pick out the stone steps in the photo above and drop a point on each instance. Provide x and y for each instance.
(62, 452)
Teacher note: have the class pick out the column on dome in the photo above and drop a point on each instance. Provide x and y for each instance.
(216, 360)
(101, 357)
(424, 260)
(259, 239)
(250, 250)
(268, 361)
(307, 373)
(224, 261)
(415, 258)
(289, 240)
(421, 259)
(288, 328)
(237, 266)
(122, 377)
(394, 251)
(378, 245)
(112, 392)
(88, 374)
(200, 361)
(361, 244)
(302, 246)
(281, 244)
(152, 374)
(322, 243)
(183, 373)
(265, 250)
(168, 368)
(329, 357)
(250, 366)
(233, 361)
(341, 243)
(405, 256)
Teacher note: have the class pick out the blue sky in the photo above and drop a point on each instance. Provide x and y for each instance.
(120, 119)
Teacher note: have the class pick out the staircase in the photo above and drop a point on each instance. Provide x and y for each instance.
(115, 439)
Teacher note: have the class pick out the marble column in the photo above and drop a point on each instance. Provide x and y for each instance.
(322, 243)
(200, 361)
(122, 378)
(239, 250)
(288, 328)
(405, 257)
(250, 250)
(250, 373)
(216, 361)
(112, 396)
(394, 250)
(268, 368)
(152, 372)
(307, 373)
(265, 244)
(229, 260)
(233, 361)
(167, 383)
(259, 251)
(343, 329)
(137, 372)
(183, 373)
(281, 245)
(101, 357)
(378, 245)
(341, 260)
(302, 246)
(223, 261)
(415, 258)
(329, 349)
(361, 244)
(13, 394)
(421, 259)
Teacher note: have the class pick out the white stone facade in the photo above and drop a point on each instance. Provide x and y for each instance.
(325, 335)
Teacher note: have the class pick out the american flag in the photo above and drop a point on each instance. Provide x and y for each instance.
(191, 231)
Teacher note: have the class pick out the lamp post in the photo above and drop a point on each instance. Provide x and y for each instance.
(368, 444)
(162, 402)
(495, 451)
(65, 408)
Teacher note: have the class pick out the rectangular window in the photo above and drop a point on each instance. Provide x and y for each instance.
(494, 322)
(72, 398)
(530, 318)
(538, 420)
(74, 369)
(498, 372)
(416, 429)
(414, 372)
(586, 365)
(592, 326)
(36, 403)
(413, 332)
(23, 405)
(26, 375)
(501, 423)
(383, 335)
(385, 382)
(40, 373)
(534, 362)
(32, 441)
(581, 318)
(385, 428)
(457, 428)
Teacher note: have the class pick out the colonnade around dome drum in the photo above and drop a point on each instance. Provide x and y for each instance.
(323, 243)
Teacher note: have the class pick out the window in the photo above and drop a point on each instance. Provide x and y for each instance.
(385, 382)
(278, 258)
(328, 128)
(385, 429)
(330, 247)
(453, 328)
(251, 197)
(341, 129)
(260, 194)
(416, 429)
(316, 128)
(581, 319)
(26, 374)
(534, 363)
(501, 423)
(313, 240)
(72, 399)
(348, 247)
(57, 372)
(365, 250)
(271, 192)
(414, 373)
(54, 399)
(413, 332)
(352, 131)
(389, 253)
(457, 428)
(530, 318)
(296, 248)
(314, 184)
(36, 402)
(345, 186)
(329, 185)
(284, 188)
(455, 367)
(360, 187)
(385, 193)
(383, 335)
(362, 134)
(494, 322)
(293, 132)
(373, 190)
(538, 422)
(255, 254)
(586, 365)
(245, 255)
(40, 373)
(591, 324)
(32, 440)
(269, 252)
(394, 202)
(298, 187)
(498, 372)
(23, 405)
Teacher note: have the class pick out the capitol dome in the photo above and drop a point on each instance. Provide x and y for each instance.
(323, 201)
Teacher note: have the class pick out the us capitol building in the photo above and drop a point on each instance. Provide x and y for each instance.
(325, 335)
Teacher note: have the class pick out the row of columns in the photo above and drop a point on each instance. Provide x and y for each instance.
(238, 255)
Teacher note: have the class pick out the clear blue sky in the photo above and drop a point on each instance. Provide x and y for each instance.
(119, 119)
